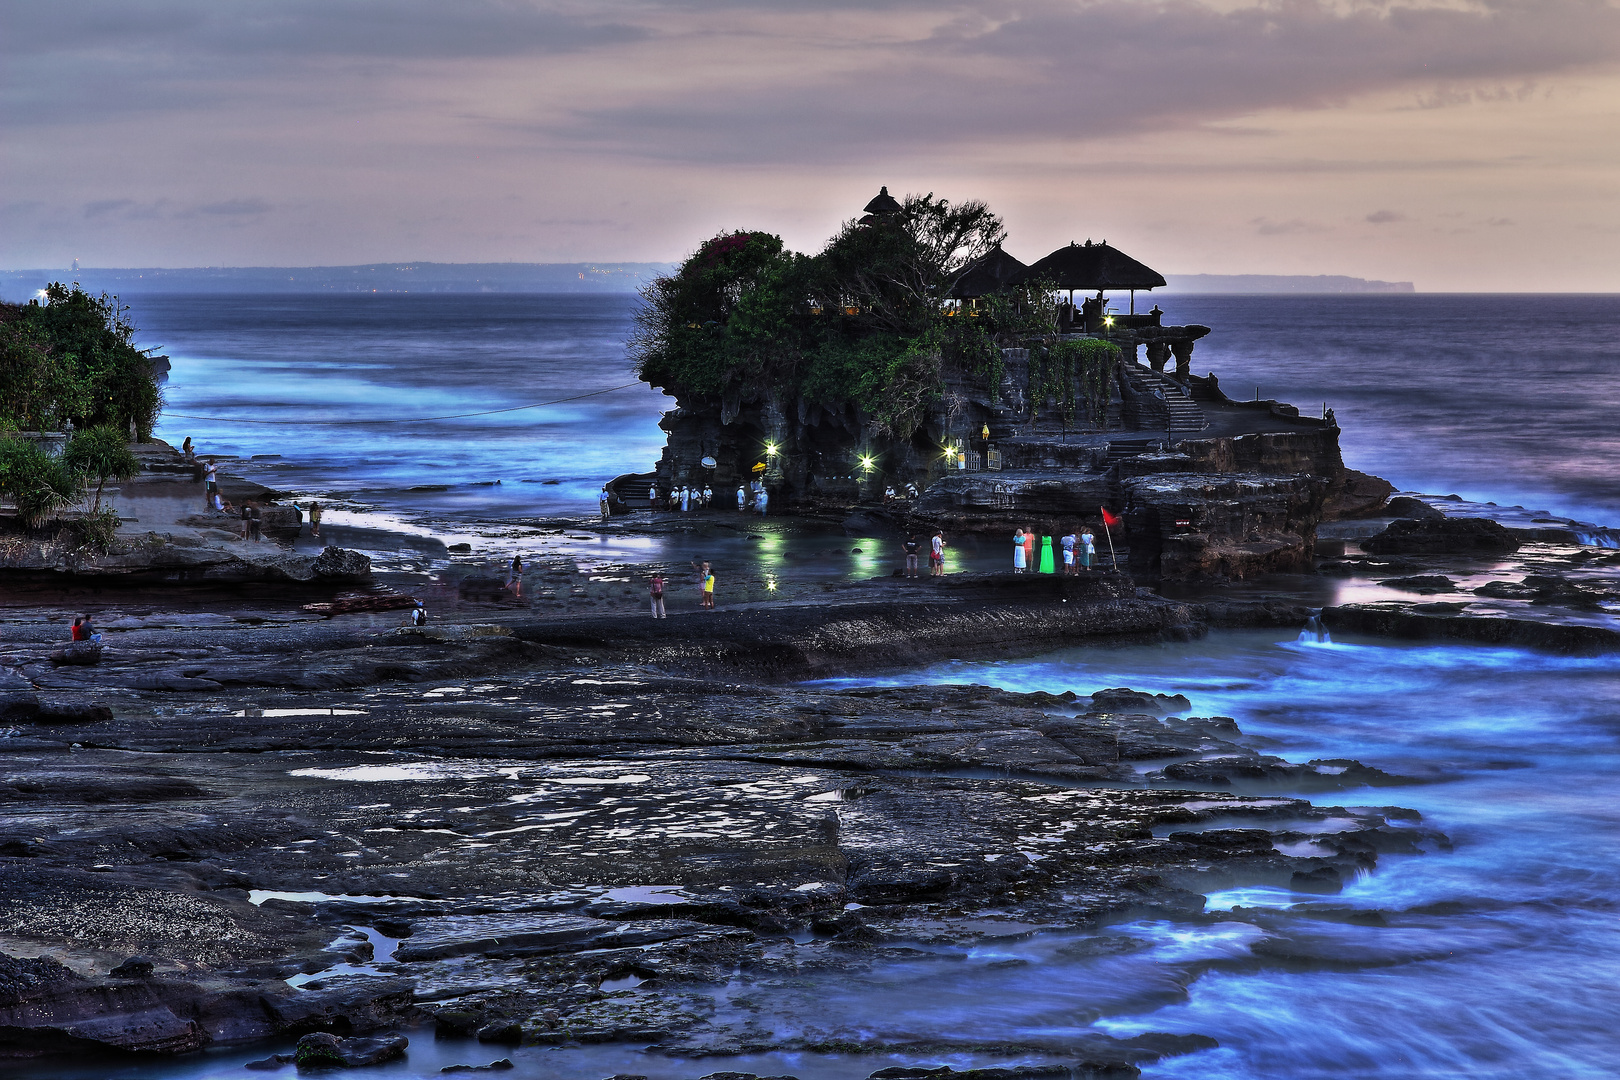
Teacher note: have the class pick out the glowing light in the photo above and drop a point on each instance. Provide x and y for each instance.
(1108, 321)
(770, 583)
(867, 462)
(770, 449)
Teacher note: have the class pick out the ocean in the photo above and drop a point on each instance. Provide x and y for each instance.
(1507, 399)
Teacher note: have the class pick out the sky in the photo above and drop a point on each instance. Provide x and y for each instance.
(1459, 144)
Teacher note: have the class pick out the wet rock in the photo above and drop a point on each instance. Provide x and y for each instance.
(1125, 700)
(1233, 525)
(1421, 583)
(1401, 621)
(1446, 536)
(1505, 590)
(274, 1061)
(1322, 879)
(321, 1048)
(498, 1065)
(136, 967)
(1405, 506)
(1353, 494)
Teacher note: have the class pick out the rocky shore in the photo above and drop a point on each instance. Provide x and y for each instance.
(586, 830)
(274, 812)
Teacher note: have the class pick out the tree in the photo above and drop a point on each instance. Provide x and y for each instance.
(74, 358)
(100, 454)
(39, 484)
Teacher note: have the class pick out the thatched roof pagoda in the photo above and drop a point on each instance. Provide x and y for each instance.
(989, 273)
(882, 203)
(1092, 267)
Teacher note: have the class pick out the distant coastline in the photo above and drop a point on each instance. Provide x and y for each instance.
(428, 277)
(1298, 284)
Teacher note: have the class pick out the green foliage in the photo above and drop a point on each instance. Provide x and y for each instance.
(1074, 373)
(40, 485)
(861, 322)
(100, 454)
(73, 358)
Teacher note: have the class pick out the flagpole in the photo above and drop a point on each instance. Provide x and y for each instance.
(1112, 558)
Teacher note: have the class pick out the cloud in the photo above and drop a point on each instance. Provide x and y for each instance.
(235, 208)
(375, 28)
(1060, 70)
(1384, 217)
(1267, 227)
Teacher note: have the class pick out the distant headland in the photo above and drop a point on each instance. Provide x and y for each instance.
(430, 277)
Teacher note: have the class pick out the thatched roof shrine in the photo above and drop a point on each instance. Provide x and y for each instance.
(1093, 268)
(989, 273)
(882, 203)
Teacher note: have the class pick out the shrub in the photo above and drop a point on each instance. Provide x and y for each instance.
(100, 454)
(40, 485)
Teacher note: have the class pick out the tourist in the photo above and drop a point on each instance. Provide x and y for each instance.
(1068, 544)
(602, 498)
(764, 500)
(1018, 551)
(244, 515)
(911, 548)
(1029, 548)
(514, 576)
(708, 587)
(315, 519)
(253, 522)
(78, 632)
(219, 504)
(210, 482)
(419, 615)
(936, 554)
(185, 449)
(742, 499)
(686, 500)
(1046, 556)
(657, 595)
(652, 497)
(708, 496)
(1088, 546)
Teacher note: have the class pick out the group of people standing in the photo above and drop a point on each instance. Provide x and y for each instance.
(658, 587)
(684, 499)
(936, 554)
(1078, 548)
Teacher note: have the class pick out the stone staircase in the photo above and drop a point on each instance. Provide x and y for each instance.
(632, 489)
(1185, 415)
(1124, 448)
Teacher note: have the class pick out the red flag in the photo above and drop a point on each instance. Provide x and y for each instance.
(1108, 519)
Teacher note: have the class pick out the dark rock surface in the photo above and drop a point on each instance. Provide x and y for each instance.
(1443, 536)
(535, 819)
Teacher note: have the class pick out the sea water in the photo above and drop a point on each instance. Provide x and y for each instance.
(1494, 959)
(1510, 399)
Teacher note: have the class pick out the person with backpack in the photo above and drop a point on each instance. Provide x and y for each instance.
(657, 593)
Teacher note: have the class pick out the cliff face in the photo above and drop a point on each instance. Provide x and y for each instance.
(1243, 496)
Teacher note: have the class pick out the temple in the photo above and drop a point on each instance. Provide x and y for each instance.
(1093, 414)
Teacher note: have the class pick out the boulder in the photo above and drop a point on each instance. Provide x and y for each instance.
(1444, 536)
(1421, 583)
(1354, 494)
(1405, 506)
(498, 1065)
(1124, 700)
(322, 1048)
(1187, 525)
(136, 967)
(336, 562)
